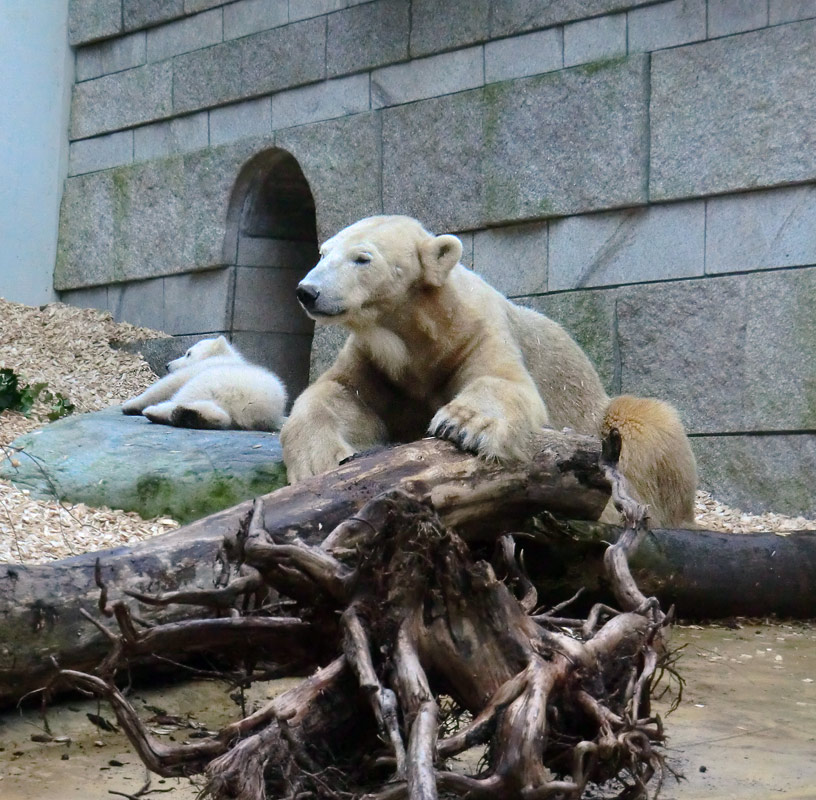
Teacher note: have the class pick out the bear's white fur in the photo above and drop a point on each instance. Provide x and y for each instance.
(434, 348)
(213, 386)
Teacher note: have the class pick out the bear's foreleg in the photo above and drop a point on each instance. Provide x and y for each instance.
(494, 417)
(327, 424)
(162, 389)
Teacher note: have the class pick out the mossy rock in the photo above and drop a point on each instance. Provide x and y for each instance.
(108, 459)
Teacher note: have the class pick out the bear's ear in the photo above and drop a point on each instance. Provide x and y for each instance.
(220, 347)
(439, 255)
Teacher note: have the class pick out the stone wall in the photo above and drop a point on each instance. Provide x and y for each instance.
(644, 172)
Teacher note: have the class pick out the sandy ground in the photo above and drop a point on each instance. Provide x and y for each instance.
(745, 728)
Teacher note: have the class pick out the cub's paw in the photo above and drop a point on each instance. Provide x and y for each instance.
(161, 413)
(133, 406)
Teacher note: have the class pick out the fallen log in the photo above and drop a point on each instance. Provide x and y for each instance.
(706, 574)
(42, 608)
(421, 630)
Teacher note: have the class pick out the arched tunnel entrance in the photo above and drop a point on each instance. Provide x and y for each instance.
(272, 242)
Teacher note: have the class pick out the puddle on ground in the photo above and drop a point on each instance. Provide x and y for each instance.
(745, 728)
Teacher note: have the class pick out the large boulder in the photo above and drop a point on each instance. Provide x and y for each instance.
(108, 459)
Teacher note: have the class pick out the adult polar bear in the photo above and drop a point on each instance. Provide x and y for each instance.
(434, 348)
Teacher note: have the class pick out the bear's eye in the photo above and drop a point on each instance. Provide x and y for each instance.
(363, 258)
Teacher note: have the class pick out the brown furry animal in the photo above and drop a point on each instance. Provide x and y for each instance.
(434, 348)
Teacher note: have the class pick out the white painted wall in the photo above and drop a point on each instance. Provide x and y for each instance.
(36, 73)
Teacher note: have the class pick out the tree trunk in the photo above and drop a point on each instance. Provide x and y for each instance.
(41, 607)
(705, 574)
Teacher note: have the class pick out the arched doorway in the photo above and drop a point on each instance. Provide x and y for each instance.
(272, 242)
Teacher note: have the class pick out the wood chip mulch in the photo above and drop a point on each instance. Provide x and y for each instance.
(71, 350)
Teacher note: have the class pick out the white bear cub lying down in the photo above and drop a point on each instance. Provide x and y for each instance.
(213, 386)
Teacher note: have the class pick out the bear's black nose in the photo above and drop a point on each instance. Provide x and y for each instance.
(307, 295)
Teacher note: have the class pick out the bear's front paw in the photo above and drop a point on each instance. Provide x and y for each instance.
(319, 460)
(473, 431)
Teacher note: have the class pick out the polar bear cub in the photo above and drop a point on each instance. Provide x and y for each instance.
(213, 386)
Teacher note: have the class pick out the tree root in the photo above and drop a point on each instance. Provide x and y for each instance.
(398, 612)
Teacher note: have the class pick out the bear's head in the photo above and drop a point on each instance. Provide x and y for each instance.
(205, 348)
(369, 269)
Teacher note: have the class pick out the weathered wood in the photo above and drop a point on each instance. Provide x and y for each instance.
(706, 574)
(41, 606)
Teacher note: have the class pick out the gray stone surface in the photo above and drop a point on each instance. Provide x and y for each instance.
(251, 16)
(734, 16)
(595, 39)
(513, 259)
(341, 160)
(161, 217)
(142, 13)
(367, 36)
(96, 297)
(109, 459)
(191, 6)
(734, 113)
(192, 33)
(439, 26)
(286, 354)
(303, 9)
(123, 99)
(759, 473)
(685, 342)
(790, 10)
(433, 153)
(780, 351)
(240, 120)
(93, 19)
(198, 303)
(264, 62)
(761, 230)
(325, 100)
(327, 342)
(427, 77)
(113, 55)
(566, 142)
(140, 303)
(528, 54)
(265, 301)
(660, 242)
(514, 16)
(734, 353)
(589, 317)
(101, 152)
(257, 251)
(666, 25)
(177, 135)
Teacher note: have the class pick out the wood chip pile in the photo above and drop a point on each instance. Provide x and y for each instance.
(70, 349)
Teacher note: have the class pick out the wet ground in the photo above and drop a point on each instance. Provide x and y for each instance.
(745, 728)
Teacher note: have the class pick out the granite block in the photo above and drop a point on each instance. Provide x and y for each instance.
(184, 35)
(566, 142)
(734, 16)
(93, 19)
(660, 242)
(114, 55)
(240, 120)
(790, 10)
(121, 100)
(761, 230)
(143, 13)
(528, 54)
(427, 77)
(265, 301)
(251, 16)
(198, 302)
(436, 27)
(666, 25)
(513, 259)
(101, 152)
(326, 100)
(734, 113)
(595, 39)
(367, 36)
(178, 135)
